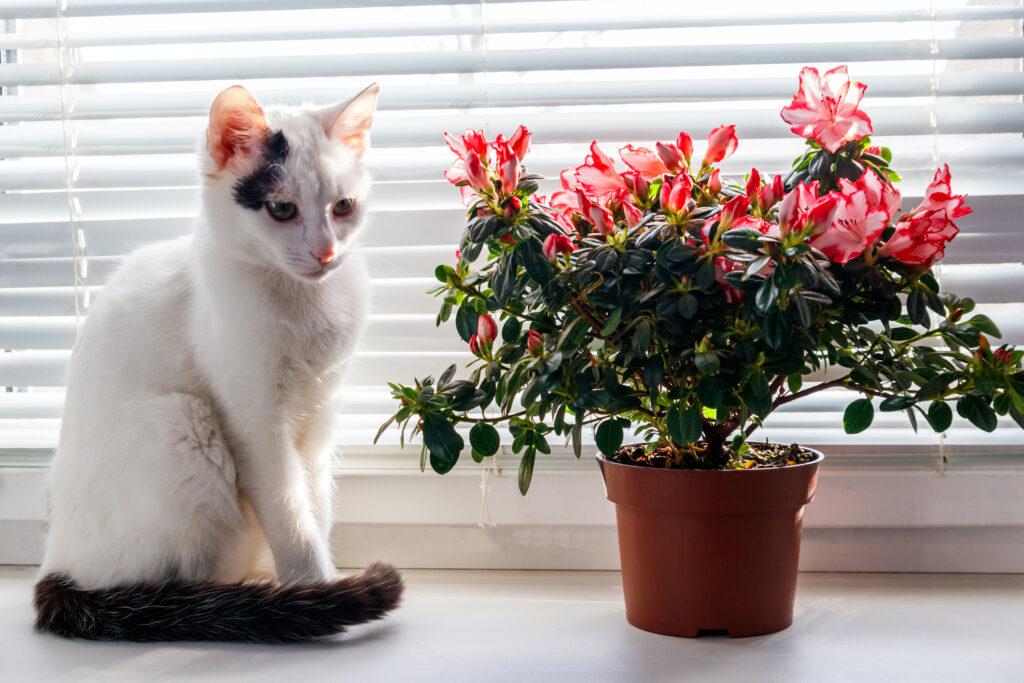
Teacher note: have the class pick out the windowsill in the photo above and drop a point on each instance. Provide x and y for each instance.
(571, 626)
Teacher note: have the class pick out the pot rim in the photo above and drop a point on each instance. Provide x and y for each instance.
(600, 457)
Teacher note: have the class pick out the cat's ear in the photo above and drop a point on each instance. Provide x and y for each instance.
(349, 123)
(237, 127)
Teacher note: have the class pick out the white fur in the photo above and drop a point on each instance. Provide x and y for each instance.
(197, 421)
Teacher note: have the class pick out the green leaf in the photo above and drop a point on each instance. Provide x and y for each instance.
(984, 324)
(443, 442)
(688, 306)
(707, 362)
(611, 322)
(608, 437)
(502, 281)
(511, 330)
(767, 296)
(526, 470)
(794, 382)
(940, 416)
(858, 416)
(894, 403)
(758, 395)
(917, 308)
(484, 439)
(936, 385)
(577, 439)
(978, 411)
(442, 272)
(803, 312)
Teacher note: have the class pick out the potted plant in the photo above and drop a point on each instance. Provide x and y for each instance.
(663, 299)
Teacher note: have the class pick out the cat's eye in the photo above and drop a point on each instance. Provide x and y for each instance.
(281, 211)
(343, 207)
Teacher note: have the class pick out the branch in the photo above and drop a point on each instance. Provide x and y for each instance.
(586, 314)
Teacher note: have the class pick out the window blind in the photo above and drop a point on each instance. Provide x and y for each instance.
(103, 103)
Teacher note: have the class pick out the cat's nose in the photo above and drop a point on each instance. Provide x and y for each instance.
(324, 258)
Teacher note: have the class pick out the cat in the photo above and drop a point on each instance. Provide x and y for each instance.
(196, 428)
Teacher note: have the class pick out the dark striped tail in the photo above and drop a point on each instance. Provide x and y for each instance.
(245, 612)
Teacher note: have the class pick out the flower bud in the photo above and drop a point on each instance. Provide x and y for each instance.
(474, 345)
(510, 176)
(476, 174)
(715, 182)
(671, 155)
(486, 330)
(754, 187)
(534, 343)
(520, 142)
(512, 207)
(722, 143)
(556, 244)
(685, 144)
(676, 194)
(733, 209)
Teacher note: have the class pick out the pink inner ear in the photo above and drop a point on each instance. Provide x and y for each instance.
(237, 127)
(352, 125)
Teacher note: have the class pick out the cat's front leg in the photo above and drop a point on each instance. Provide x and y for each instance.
(272, 475)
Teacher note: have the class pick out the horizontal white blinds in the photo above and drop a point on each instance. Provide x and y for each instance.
(102, 107)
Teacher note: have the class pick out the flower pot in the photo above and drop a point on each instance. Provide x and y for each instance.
(712, 549)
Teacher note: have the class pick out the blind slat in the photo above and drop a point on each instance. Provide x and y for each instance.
(472, 61)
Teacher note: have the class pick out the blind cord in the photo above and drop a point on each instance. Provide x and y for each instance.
(65, 68)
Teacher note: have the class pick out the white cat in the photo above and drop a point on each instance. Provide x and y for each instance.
(197, 422)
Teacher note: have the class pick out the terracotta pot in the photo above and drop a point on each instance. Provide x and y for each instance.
(709, 550)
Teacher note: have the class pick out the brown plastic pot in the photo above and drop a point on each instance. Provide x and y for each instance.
(713, 550)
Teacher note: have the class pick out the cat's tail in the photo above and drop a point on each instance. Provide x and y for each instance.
(251, 612)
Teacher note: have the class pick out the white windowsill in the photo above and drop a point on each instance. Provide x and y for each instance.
(570, 626)
(862, 519)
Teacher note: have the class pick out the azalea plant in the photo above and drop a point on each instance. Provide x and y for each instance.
(663, 298)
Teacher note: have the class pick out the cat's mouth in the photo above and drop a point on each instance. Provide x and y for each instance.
(320, 272)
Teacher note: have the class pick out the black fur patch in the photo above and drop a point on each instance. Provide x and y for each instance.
(244, 612)
(253, 190)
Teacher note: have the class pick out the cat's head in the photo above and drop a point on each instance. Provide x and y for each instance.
(285, 187)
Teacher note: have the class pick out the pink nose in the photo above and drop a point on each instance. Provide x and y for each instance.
(324, 258)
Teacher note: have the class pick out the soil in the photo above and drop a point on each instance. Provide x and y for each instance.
(758, 456)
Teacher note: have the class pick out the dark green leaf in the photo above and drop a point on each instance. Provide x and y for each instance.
(443, 442)
(978, 411)
(526, 470)
(511, 330)
(611, 322)
(985, 325)
(484, 439)
(858, 416)
(894, 403)
(608, 436)
(940, 416)
(688, 306)
(707, 363)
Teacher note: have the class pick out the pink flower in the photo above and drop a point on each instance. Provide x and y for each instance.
(636, 184)
(456, 173)
(471, 142)
(825, 108)
(556, 244)
(803, 210)
(476, 174)
(510, 175)
(733, 209)
(642, 160)
(722, 143)
(921, 240)
(671, 155)
(685, 144)
(879, 192)
(601, 217)
(598, 175)
(938, 196)
(675, 193)
(520, 142)
(632, 214)
(856, 225)
(486, 329)
(534, 343)
(715, 182)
